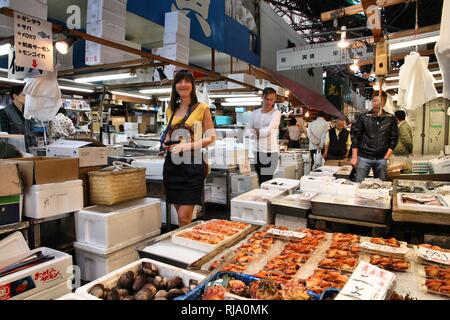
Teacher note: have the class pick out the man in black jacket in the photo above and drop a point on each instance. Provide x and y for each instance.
(375, 137)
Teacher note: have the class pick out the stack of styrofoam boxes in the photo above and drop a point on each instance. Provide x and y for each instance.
(131, 129)
(253, 207)
(35, 8)
(293, 157)
(328, 185)
(241, 77)
(107, 235)
(107, 20)
(242, 183)
(176, 40)
(217, 191)
(288, 171)
(45, 281)
(153, 167)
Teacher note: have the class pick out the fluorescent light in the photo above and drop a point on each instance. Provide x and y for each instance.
(105, 77)
(243, 95)
(11, 80)
(164, 99)
(130, 95)
(156, 90)
(412, 43)
(391, 87)
(242, 104)
(76, 89)
(254, 99)
(396, 78)
(4, 49)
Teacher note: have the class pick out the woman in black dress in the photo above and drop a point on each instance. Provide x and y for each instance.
(189, 129)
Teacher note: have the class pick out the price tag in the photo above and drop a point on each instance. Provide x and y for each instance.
(286, 233)
(367, 282)
(373, 247)
(434, 255)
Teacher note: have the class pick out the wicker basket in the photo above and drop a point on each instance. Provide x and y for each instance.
(117, 184)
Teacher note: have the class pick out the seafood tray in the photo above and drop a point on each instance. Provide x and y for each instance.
(441, 287)
(389, 263)
(436, 272)
(207, 240)
(422, 202)
(297, 204)
(351, 207)
(164, 270)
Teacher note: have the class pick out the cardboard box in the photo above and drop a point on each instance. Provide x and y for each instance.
(177, 22)
(11, 209)
(35, 8)
(338, 163)
(88, 156)
(10, 183)
(43, 170)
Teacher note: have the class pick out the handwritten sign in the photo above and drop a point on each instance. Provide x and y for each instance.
(16, 72)
(286, 233)
(33, 40)
(434, 256)
(367, 282)
(383, 250)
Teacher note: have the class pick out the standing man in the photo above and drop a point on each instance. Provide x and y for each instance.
(405, 144)
(374, 140)
(12, 120)
(317, 132)
(264, 125)
(338, 142)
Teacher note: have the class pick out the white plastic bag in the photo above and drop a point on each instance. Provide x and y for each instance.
(43, 97)
(318, 160)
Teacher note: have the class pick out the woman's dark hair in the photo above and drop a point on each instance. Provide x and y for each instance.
(293, 121)
(175, 97)
(62, 110)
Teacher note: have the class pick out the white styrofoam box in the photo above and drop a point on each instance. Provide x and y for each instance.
(287, 172)
(281, 184)
(252, 207)
(107, 30)
(98, 54)
(220, 181)
(47, 200)
(314, 184)
(108, 226)
(218, 194)
(441, 165)
(95, 262)
(244, 183)
(131, 134)
(131, 126)
(71, 296)
(339, 189)
(35, 8)
(325, 171)
(174, 215)
(52, 293)
(38, 278)
(176, 21)
(174, 38)
(116, 14)
(153, 167)
(175, 50)
(165, 271)
(111, 5)
(115, 151)
(242, 77)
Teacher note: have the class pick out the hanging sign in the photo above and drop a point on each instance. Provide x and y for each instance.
(323, 54)
(16, 72)
(33, 39)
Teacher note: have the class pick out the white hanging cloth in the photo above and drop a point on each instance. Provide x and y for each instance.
(442, 49)
(43, 97)
(416, 84)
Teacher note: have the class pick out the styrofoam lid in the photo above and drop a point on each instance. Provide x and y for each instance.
(13, 246)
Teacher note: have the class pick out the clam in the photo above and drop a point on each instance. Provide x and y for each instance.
(173, 293)
(149, 269)
(126, 280)
(98, 291)
(161, 294)
(144, 294)
(175, 283)
(139, 282)
(113, 294)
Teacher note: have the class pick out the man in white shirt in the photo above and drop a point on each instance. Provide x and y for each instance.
(264, 124)
(317, 132)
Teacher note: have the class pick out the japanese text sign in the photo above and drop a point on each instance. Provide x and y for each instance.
(434, 255)
(33, 42)
(373, 247)
(286, 233)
